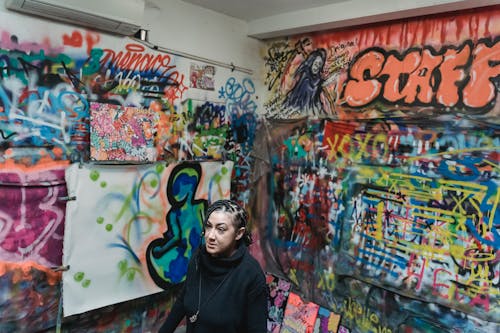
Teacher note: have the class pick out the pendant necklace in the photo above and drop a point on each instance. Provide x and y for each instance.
(194, 317)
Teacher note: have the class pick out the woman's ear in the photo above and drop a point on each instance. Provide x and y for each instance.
(240, 233)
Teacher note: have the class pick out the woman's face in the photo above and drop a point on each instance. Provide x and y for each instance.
(316, 65)
(221, 236)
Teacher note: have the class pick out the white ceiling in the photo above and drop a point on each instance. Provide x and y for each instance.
(276, 18)
(248, 10)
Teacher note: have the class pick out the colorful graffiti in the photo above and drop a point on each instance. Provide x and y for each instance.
(384, 191)
(460, 76)
(50, 76)
(374, 204)
(399, 67)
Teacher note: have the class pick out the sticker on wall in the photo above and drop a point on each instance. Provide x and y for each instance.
(132, 229)
(125, 134)
(201, 76)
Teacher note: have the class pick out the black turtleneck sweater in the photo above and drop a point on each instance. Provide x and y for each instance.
(233, 295)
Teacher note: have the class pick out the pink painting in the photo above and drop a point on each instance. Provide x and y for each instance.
(32, 213)
(124, 134)
(300, 316)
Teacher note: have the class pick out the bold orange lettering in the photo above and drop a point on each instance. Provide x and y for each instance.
(395, 69)
(451, 74)
(420, 82)
(480, 91)
(361, 90)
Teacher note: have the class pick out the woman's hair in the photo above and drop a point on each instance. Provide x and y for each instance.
(238, 213)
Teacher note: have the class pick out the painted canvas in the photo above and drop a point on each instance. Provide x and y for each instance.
(327, 321)
(120, 133)
(279, 289)
(300, 316)
(32, 209)
(132, 229)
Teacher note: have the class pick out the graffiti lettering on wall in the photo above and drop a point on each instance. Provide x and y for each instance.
(78, 39)
(452, 77)
(45, 94)
(444, 227)
(402, 67)
(163, 77)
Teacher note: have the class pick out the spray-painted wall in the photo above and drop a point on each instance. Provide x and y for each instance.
(50, 75)
(383, 199)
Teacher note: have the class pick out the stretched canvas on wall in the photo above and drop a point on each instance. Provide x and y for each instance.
(327, 321)
(300, 316)
(32, 214)
(279, 289)
(131, 229)
(120, 133)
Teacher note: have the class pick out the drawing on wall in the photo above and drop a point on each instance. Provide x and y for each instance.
(124, 221)
(202, 76)
(379, 70)
(120, 133)
(415, 209)
(167, 257)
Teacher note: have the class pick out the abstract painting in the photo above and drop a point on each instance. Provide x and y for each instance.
(122, 133)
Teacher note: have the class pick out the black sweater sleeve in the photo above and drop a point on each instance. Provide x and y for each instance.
(177, 313)
(257, 307)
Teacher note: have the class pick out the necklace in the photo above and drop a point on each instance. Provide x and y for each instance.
(194, 318)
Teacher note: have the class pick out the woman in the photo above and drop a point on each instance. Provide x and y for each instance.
(225, 288)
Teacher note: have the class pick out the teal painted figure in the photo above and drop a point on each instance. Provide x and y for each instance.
(167, 257)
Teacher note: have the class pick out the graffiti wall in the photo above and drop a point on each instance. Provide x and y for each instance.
(383, 190)
(79, 109)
